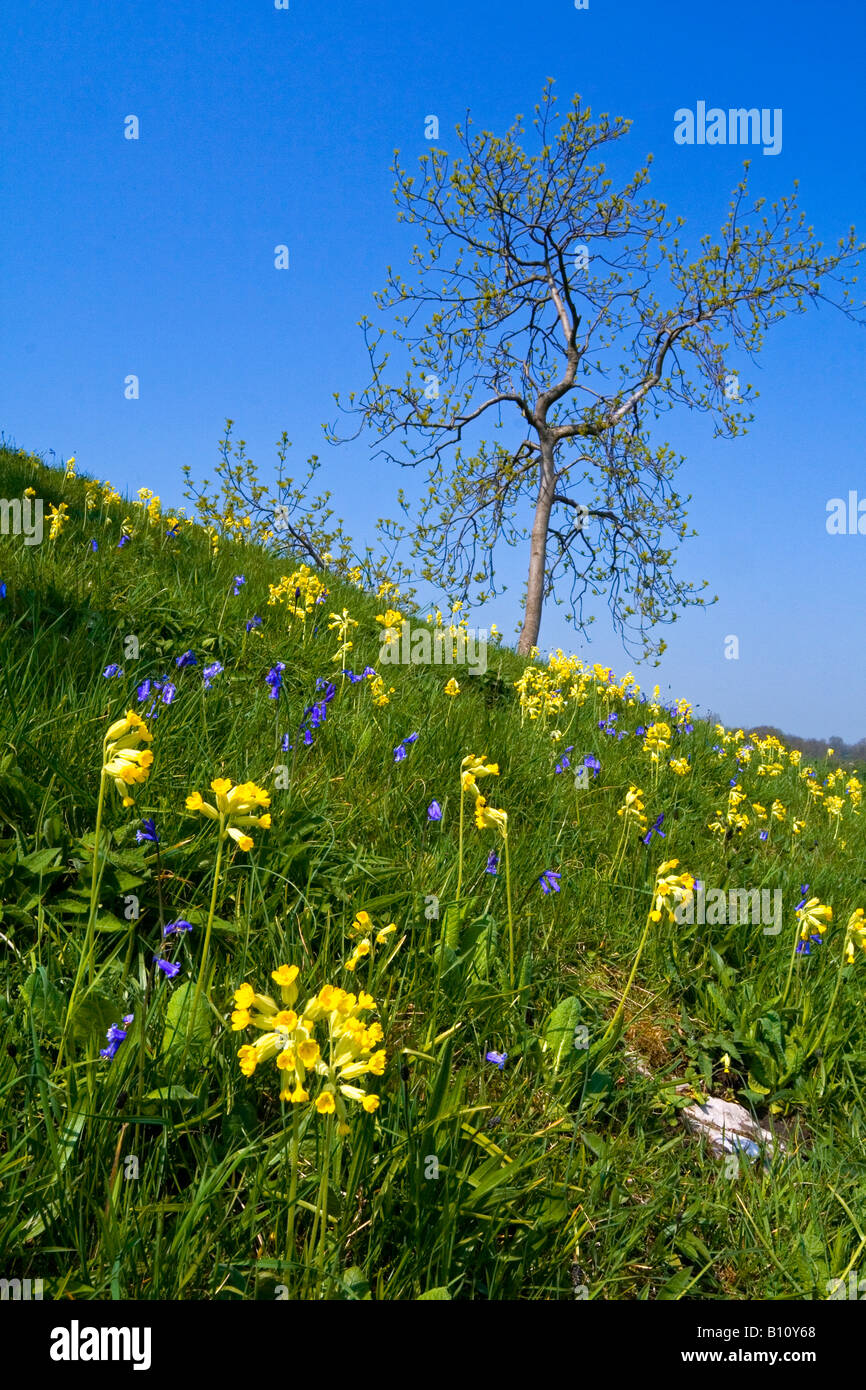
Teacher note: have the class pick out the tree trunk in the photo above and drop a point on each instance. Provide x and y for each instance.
(538, 553)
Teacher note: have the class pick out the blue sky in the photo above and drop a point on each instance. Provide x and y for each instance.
(261, 126)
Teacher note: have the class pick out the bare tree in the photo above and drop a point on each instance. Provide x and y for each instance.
(547, 301)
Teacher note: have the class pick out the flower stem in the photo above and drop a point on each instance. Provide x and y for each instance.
(615, 1020)
(205, 947)
(460, 844)
(510, 914)
(87, 952)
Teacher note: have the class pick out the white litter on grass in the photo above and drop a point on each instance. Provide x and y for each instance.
(728, 1128)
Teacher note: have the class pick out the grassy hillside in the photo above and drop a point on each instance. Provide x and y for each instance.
(558, 1167)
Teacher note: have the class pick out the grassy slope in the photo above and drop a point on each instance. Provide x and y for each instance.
(547, 1178)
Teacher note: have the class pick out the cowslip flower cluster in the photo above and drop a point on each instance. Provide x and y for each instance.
(633, 810)
(58, 517)
(486, 817)
(233, 808)
(363, 927)
(814, 918)
(670, 891)
(321, 1049)
(342, 624)
(123, 760)
(855, 934)
(301, 591)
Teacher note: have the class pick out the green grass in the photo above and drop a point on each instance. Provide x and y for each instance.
(567, 1169)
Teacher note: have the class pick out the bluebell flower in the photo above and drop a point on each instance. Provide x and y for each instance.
(274, 679)
(285, 744)
(124, 540)
(592, 762)
(764, 834)
(168, 692)
(639, 731)
(113, 670)
(94, 545)
(655, 829)
(172, 531)
(169, 968)
(492, 862)
(497, 1058)
(174, 928)
(188, 659)
(434, 811)
(400, 750)
(564, 761)
(143, 691)
(255, 621)
(147, 833)
(2, 589)
(210, 671)
(115, 1035)
(549, 880)
(239, 580)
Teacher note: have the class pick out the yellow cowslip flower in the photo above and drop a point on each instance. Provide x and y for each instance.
(473, 767)
(680, 766)
(361, 950)
(58, 517)
(487, 818)
(778, 811)
(670, 890)
(30, 492)
(633, 808)
(855, 934)
(814, 917)
(123, 760)
(383, 935)
(379, 695)
(234, 803)
(391, 618)
(452, 688)
(345, 1051)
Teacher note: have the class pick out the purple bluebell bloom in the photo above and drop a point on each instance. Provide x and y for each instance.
(112, 670)
(492, 862)
(274, 679)
(497, 1058)
(434, 811)
(174, 928)
(210, 671)
(564, 761)
(147, 833)
(115, 1035)
(169, 968)
(549, 880)
(143, 691)
(94, 545)
(172, 531)
(764, 834)
(655, 829)
(124, 540)
(188, 659)
(400, 750)
(255, 621)
(239, 580)
(168, 692)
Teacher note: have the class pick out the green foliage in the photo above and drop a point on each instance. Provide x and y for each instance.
(469, 1181)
